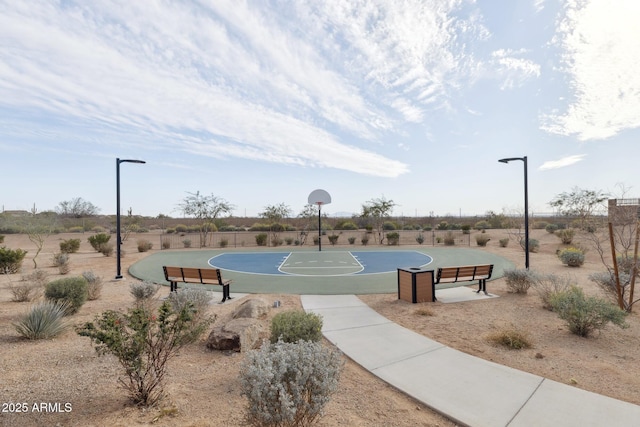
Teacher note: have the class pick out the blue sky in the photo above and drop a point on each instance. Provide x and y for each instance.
(262, 102)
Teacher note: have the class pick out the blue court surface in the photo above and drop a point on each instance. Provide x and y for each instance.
(330, 272)
(334, 263)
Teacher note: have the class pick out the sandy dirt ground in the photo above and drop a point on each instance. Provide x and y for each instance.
(79, 388)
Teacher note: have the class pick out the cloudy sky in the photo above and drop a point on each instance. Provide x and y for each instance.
(262, 102)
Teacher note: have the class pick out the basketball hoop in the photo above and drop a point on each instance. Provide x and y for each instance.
(319, 197)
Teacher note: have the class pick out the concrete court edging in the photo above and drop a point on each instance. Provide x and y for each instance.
(469, 390)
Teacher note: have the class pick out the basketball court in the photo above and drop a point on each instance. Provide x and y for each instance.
(308, 271)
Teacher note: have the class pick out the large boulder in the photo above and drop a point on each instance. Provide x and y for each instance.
(252, 308)
(238, 335)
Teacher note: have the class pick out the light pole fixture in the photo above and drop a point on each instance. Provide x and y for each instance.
(118, 238)
(526, 208)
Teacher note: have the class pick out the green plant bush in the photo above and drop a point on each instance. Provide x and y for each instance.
(346, 225)
(181, 228)
(69, 290)
(539, 225)
(1, 238)
(534, 245)
(70, 246)
(294, 325)
(393, 239)
(43, 321)
(224, 242)
(186, 243)
(144, 342)
(289, 384)
(466, 229)
(547, 285)
(261, 239)
(76, 229)
(288, 241)
(566, 235)
(11, 260)
(144, 245)
(364, 240)
(572, 257)
(351, 240)
(333, 239)
(97, 241)
(551, 228)
(482, 239)
(276, 241)
(519, 280)
(504, 242)
(482, 225)
(94, 285)
(106, 249)
(420, 238)
(583, 314)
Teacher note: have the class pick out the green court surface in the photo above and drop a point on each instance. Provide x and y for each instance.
(313, 281)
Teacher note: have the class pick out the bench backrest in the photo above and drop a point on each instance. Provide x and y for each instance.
(192, 274)
(464, 273)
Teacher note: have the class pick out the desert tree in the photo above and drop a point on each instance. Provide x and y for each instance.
(275, 214)
(206, 209)
(309, 216)
(376, 211)
(76, 208)
(581, 203)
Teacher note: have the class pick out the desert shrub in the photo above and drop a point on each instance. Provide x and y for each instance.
(97, 241)
(30, 286)
(61, 260)
(44, 320)
(289, 384)
(186, 243)
(393, 239)
(106, 249)
(170, 230)
(276, 241)
(194, 299)
(551, 228)
(482, 239)
(511, 338)
(144, 245)
(143, 291)
(71, 291)
(98, 229)
(566, 235)
(389, 226)
(346, 225)
(1, 238)
(224, 242)
(547, 285)
(181, 228)
(166, 243)
(583, 314)
(351, 240)
(11, 260)
(466, 229)
(539, 225)
(519, 280)
(607, 282)
(534, 245)
(449, 239)
(482, 225)
(364, 240)
(288, 241)
(294, 325)
(76, 229)
(426, 312)
(420, 238)
(261, 239)
(94, 285)
(504, 242)
(143, 342)
(70, 246)
(573, 257)
(333, 238)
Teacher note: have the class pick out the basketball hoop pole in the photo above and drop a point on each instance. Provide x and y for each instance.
(319, 197)
(319, 228)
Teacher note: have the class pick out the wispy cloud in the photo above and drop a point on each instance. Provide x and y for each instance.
(512, 68)
(601, 57)
(312, 83)
(561, 163)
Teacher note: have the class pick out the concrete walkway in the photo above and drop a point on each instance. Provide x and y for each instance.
(468, 390)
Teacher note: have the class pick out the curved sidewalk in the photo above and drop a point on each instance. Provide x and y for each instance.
(468, 390)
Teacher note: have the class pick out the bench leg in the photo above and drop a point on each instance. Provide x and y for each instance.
(174, 286)
(482, 286)
(225, 293)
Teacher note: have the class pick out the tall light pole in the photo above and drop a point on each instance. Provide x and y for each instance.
(526, 208)
(118, 238)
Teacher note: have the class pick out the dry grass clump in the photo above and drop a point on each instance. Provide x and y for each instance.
(423, 311)
(511, 338)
